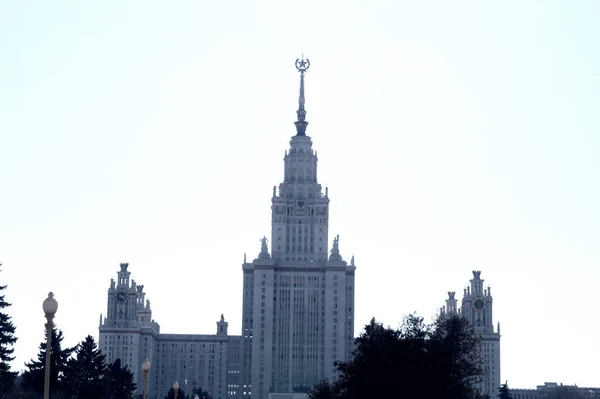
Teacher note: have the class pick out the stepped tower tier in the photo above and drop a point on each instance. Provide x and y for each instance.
(476, 307)
(300, 210)
(298, 302)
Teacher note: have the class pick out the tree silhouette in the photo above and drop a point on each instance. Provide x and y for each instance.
(33, 377)
(118, 381)
(7, 340)
(504, 392)
(441, 360)
(85, 372)
(323, 390)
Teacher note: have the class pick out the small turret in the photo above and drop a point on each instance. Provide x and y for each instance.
(222, 326)
(123, 275)
(452, 303)
(477, 283)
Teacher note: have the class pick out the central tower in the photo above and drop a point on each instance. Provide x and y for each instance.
(298, 300)
(300, 211)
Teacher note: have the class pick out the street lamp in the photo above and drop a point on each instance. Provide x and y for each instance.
(50, 307)
(176, 388)
(145, 369)
(196, 396)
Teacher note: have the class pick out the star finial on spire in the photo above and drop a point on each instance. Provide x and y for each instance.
(302, 66)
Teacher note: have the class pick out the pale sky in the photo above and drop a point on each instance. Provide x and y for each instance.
(453, 136)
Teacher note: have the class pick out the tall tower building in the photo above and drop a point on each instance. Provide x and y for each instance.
(128, 331)
(298, 300)
(477, 309)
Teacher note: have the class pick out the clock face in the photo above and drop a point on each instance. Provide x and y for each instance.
(478, 303)
(300, 202)
(121, 296)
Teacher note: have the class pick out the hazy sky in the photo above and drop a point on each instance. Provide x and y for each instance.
(453, 136)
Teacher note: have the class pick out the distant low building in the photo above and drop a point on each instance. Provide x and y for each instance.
(553, 390)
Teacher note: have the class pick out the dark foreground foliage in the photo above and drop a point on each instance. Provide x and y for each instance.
(418, 360)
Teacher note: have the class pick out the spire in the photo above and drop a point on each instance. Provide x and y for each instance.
(301, 65)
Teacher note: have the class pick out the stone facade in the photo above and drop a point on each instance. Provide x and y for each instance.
(476, 307)
(298, 303)
(129, 333)
(552, 390)
(297, 309)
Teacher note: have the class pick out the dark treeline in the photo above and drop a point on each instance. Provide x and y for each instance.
(80, 372)
(417, 360)
(75, 373)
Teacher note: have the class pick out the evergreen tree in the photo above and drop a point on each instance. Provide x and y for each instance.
(119, 381)
(505, 391)
(33, 377)
(16, 392)
(85, 371)
(7, 340)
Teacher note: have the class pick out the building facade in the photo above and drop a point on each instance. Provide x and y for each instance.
(298, 299)
(129, 333)
(297, 309)
(476, 307)
(553, 390)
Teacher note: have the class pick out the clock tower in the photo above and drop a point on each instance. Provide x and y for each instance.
(128, 331)
(124, 298)
(477, 309)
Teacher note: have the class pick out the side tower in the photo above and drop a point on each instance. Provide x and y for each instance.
(451, 304)
(477, 309)
(298, 302)
(128, 331)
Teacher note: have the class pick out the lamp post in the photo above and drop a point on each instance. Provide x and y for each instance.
(50, 307)
(196, 396)
(176, 388)
(145, 369)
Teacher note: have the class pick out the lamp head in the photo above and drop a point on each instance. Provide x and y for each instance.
(146, 365)
(176, 386)
(50, 305)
